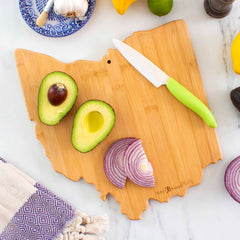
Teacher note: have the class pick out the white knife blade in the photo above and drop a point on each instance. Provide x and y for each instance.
(148, 69)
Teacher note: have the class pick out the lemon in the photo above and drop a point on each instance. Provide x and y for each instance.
(236, 54)
(121, 6)
(160, 7)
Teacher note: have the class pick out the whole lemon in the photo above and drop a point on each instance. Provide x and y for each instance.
(236, 54)
(160, 7)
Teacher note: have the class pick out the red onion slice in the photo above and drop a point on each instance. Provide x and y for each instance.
(232, 179)
(136, 165)
(113, 162)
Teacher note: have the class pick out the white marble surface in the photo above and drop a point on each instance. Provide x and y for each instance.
(206, 211)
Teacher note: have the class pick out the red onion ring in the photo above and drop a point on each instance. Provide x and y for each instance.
(113, 162)
(232, 179)
(136, 165)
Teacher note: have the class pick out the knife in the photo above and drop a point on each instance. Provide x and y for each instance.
(157, 77)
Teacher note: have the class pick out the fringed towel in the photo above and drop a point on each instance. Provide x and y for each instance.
(29, 211)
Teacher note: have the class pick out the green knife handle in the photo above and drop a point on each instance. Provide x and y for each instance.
(192, 102)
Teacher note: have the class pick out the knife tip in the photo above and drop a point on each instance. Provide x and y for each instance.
(115, 41)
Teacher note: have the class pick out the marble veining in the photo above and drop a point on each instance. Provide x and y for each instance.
(229, 30)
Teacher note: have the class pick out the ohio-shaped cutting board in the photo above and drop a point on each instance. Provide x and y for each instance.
(178, 143)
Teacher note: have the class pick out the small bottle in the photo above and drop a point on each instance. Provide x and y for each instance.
(218, 8)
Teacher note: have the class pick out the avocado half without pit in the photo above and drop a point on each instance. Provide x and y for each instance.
(93, 122)
(57, 94)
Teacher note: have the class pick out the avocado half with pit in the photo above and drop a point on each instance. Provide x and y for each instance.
(57, 94)
(93, 122)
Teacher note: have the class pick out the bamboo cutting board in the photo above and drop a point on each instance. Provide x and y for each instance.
(177, 142)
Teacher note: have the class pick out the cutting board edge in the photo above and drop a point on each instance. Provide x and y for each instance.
(186, 188)
(104, 194)
(213, 161)
(177, 21)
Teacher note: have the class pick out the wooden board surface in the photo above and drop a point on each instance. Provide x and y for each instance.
(177, 142)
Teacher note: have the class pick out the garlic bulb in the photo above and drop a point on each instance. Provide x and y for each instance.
(71, 8)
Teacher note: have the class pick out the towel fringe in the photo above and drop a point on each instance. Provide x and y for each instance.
(83, 227)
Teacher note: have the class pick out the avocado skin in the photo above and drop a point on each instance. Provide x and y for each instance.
(68, 108)
(104, 136)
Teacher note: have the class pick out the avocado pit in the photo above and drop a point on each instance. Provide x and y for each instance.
(57, 94)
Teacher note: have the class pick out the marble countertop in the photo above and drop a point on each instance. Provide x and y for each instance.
(206, 211)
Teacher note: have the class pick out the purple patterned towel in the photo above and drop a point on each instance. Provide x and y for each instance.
(29, 211)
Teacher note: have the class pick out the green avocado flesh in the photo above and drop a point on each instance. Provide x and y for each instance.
(93, 122)
(48, 113)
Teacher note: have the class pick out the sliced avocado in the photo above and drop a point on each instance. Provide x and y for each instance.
(57, 94)
(93, 122)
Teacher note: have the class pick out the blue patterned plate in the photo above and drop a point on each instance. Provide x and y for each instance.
(56, 25)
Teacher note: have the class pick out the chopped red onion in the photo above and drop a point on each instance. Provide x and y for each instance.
(113, 162)
(136, 165)
(232, 179)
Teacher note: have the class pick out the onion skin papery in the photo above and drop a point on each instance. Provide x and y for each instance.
(113, 162)
(136, 165)
(232, 179)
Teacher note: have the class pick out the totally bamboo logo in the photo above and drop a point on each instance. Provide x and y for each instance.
(168, 189)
